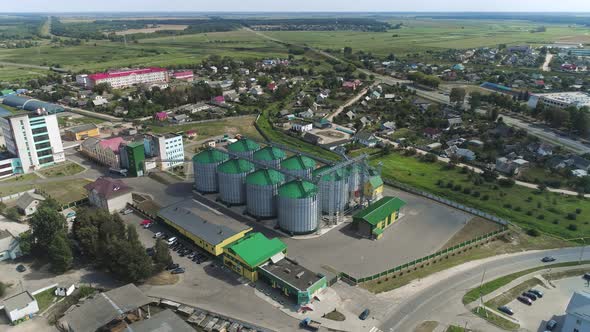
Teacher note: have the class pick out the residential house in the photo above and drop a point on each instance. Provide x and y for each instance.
(256, 91)
(366, 138)
(109, 194)
(99, 101)
(219, 100)
(180, 118)
(388, 126)
(306, 114)
(389, 96)
(579, 173)
(351, 115)
(431, 133)
(20, 306)
(322, 123)
(541, 149)
(301, 126)
(577, 162)
(9, 246)
(313, 138)
(454, 123)
(28, 203)
(460, 153)
(161, 116)
(510, 166)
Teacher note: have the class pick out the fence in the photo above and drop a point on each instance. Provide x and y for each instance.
(426, 259)
(15, 196)
(445, 201)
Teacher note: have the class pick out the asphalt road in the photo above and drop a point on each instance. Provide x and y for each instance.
(442, 300)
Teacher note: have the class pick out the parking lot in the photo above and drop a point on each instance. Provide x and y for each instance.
(552, 306)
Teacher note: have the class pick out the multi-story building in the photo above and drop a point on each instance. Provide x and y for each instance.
(33, 139)
(560, 100)
(125, 78)
(168, 150)
(135, 157)
(104, 151)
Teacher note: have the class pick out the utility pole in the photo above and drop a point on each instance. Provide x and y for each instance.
(582, 251)
(480, 295)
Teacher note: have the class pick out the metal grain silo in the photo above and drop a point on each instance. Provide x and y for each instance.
(298, 166)
(354, 181)
(232, 180)
(243, 147)
(262, 188)
(270, 156)
(333, 189)
(298, 207)
(205, 169)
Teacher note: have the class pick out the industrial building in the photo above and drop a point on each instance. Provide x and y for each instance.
(232, 181)
(124, 78)
(244, 147)
(270, 156)
(207, 228)
(31, 105)
(33, 139)
(205, 169)
(373, 220)
(245, 255)
(133, 158)
(262, 187)
(298, 207)
(560, 100)
(333, 188)
(294, 280)
(168, 149)
(298, 166)
(81, 132)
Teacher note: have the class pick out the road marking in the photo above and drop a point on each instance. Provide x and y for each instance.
(375, 329)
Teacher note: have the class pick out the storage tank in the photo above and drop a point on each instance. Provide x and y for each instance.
(232, 180)
(333, 189)
(262, 188)
(205, 169)
(243, 147)
(298, 207)
(298, 166)
(270, 156)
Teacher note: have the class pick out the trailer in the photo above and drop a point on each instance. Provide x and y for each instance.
(310, 324)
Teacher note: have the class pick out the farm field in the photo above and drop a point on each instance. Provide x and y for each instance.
(13, 73)
(563, 216)
(161, 51)
(428, 34)
(232, 126)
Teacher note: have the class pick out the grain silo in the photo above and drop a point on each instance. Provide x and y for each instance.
(354, 181)
(298, 207)
(205, 169)
(298, 166)
(262, 188)
(232, 180)
(270, 156)
(244, 147)
(333, 189)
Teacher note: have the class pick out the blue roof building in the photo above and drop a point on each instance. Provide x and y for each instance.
(32, 105)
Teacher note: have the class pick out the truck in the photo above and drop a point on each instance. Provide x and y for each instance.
(310, 324)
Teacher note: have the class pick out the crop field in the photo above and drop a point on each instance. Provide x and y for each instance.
(13, 73)
(427, 34)
(161, 51)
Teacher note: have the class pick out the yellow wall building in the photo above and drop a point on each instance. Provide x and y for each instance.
(247, 254)
(82, 132)
(373, 220)
(374, 188)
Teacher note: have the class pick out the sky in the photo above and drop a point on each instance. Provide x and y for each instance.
(291, 5)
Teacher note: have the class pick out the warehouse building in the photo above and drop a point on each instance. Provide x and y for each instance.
(32, 105)
(84, 131)
(294, 280)
(207, 228)
(373, 220)
(245, 255)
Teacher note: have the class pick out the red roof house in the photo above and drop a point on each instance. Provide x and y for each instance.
(161, 116)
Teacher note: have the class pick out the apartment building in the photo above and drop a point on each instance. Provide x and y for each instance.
(124, 78)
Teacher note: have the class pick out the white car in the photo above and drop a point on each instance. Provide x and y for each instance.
(126, 211)
(157, 235)
(172, 240)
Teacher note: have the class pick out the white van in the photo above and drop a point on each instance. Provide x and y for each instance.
(171, 240)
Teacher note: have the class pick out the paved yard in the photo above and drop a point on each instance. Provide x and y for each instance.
(551, 306)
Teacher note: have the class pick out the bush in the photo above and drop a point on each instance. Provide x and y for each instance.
(571, 216)
(485, 197)
(450, 185)
(578, 211)
(12, 213)
(541, 217)
(508, 206)
(476, 194)
(533, 232)
(467, 191)
(555, 222)
(539, 205)
(572, 227)
(457, 187)
(529, 213)
(506, 182)
(518, 209)
(428, 158)
(440, 183)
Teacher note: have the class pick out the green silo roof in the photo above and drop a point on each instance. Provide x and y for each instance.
(243, 145)
(269, 153)
(210, 156)
(298, 162)
(265, 177)
(338, 175)
(298, 189)
(235, 166)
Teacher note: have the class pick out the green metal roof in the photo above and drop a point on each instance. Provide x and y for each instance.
(377, 231)
(298, 189)
(256, 248)
(298, 162)
(134, 145)
(376, 181)
(210, 156)
(6, 92)
(265, 177)
(243, 145)
(235, 166)
(379, 210)
(269, 153)
(338, 175)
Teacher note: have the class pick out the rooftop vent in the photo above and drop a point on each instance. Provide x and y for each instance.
(300, 274)
(287, 270)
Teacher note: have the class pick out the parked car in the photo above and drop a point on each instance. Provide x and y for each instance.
(506, 310)
(525, 300)
(365, 314)
(530, 296)
(126, 211)
(172, 266)
(537, 292)
(586, 276)
(157, 235)
(551, 325)
(21, 268)
(172, 240)
(177, 270)
(548, 259)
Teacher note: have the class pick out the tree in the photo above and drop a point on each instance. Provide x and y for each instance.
(102, 88)
(25, 243)
(46, 224)
(474, 100)
(457, 95)
(161, 256)
(60, 254)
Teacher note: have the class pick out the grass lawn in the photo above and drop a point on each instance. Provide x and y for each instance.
(511, 294)
(78, 120)
(242, 125)
(22, 74)
(496, 320)
(65, 169)
(559, 215)
(495, 284)
(63, 191)
(20, 178)
(454, 328)
(45, 299)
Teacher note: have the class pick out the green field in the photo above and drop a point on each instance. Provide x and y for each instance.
(520, 205)
(426, 34)
(231, 126)
(63, 191)
(14, 73)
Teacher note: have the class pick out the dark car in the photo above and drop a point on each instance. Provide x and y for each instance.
(177, 271)
(172, 266)
(586, 276)
(506, 310)
(548, 259)
(551, 325)
(365, 314)
(530, 296)
(525, 300)
(537, 292)
(21, 268)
